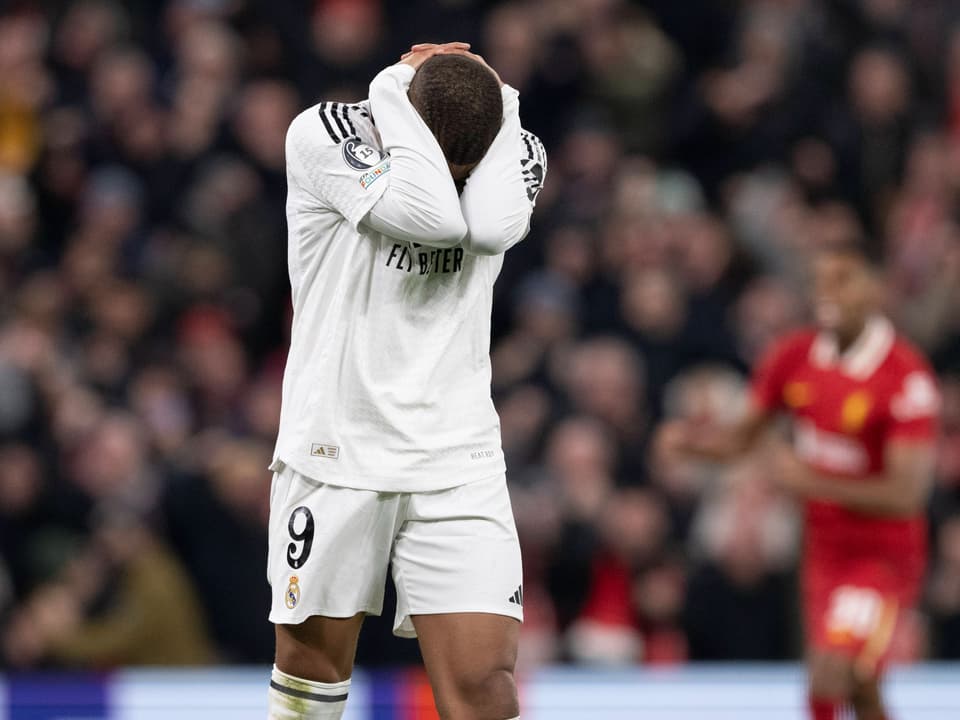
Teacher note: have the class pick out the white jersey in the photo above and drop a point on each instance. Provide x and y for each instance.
(387, 383)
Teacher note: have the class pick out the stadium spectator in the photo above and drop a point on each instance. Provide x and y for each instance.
(123, 600)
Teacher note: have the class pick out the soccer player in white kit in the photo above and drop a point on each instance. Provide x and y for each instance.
(400, 209)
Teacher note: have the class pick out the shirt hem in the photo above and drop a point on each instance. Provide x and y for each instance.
(379, 483)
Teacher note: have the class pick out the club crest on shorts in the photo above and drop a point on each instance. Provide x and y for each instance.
(293, 593)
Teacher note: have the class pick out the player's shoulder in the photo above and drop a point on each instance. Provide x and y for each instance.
(332, 123)
(911, 381)
(906, 358)
(793, 345)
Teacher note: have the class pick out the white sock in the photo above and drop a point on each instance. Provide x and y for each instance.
(293, 698)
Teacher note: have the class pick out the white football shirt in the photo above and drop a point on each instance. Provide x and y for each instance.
(387, 383)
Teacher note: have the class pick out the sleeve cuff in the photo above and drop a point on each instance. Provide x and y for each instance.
(403, 71)
(511, 100)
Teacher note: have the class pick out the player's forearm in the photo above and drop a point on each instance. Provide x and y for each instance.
(494, 202)
(420, 204)
(879, 495)
(407, 214)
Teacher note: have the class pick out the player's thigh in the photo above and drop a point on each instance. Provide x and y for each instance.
(851, 617)
(321, 649)
(329, 549)
(470, 659)
(457, 552)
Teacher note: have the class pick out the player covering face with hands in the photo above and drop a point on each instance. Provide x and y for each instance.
(399, 210)
(864, 407)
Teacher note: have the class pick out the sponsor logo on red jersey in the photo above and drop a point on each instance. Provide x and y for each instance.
(833, 452)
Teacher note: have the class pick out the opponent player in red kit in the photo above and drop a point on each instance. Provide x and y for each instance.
(865, 408)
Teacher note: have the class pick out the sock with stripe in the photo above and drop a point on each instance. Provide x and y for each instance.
(293, 698)
(824, 709)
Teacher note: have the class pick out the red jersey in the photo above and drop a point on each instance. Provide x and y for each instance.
(847, 408)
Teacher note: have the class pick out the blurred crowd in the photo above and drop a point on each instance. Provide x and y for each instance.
(698, 151)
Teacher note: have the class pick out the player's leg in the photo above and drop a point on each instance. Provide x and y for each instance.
(852, 635)
(868, 701)
(457, 568)
(830, 683)
(319, 648)
(829, 673)
(327, 563)
(470, 659)
(314, 662)
(869, 662)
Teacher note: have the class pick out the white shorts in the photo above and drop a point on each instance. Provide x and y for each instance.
(452, 551)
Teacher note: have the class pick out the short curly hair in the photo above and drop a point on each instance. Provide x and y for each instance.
(459, 100)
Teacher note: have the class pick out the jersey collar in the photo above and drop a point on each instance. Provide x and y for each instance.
(862, 358)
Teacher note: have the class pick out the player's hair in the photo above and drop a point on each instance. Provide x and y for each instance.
(459, 100)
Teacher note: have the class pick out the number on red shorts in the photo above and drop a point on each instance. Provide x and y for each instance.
(854, 610)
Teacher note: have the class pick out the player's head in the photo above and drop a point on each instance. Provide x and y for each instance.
(459, 100)
(846, 287)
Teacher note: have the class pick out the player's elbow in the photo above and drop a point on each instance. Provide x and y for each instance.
(907, 504)
(898, 508)
(444, 231)
(905, 501)
(494, 239)
(484, 244)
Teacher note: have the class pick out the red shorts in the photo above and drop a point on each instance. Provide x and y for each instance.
(852, 606)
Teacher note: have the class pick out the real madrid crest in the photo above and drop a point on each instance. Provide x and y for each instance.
(293, 592)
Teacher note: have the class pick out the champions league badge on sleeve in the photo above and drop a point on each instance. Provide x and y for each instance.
(293, 593)
(368, 178)
(358, 155)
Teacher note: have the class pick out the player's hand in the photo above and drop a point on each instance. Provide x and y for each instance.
(419, 54)
(478, 58)
(789, 472)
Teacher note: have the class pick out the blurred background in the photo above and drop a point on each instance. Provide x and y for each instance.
(698, 151)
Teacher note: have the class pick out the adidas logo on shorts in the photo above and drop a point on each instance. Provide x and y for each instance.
(517, 597)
